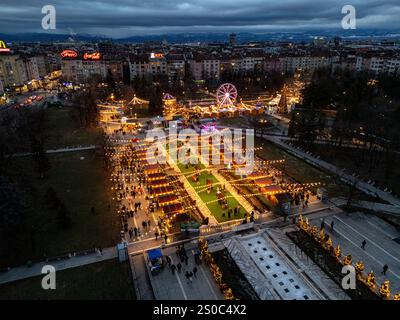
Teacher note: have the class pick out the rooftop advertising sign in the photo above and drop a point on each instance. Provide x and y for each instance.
(69, 54)
(3, 47)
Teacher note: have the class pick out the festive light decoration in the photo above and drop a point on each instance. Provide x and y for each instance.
(215, 271)
(329, 244)
(338, 252)
(226, 95)
(371, 280)
(314, 231)
(347, 260)
(321, 236)
(359, 266)
(385, 289)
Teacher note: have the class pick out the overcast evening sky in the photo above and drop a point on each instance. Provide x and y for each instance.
(122, 18)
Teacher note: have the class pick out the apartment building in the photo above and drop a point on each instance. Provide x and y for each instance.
(211, 68)
(377, 65)
(12, 71)
(176, 66)
(147, 64)
(80, 70)
(291, 64)
(393, 66)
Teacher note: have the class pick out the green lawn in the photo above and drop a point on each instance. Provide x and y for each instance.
(214, 206)
(63, 131)
(81, 183)
(108, 280)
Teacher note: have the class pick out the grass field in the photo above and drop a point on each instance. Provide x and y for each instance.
(214, 206)
(62, 131)
(108, 280)
(81, 183)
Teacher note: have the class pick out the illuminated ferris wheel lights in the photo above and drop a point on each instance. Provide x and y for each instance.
(226, 94)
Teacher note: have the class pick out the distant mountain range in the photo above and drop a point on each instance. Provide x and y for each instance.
(242, 37)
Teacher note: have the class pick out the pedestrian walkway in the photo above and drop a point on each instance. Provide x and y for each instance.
(378, 207)
(61, 150)
(243, 202)
(382, 243)
(141, 282)
(175, 286)
(193, 194)
(23, 272)
(142, 215)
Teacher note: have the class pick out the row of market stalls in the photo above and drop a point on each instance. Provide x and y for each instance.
(271, 186)
(272, 191)
(212, 111)
(236, 110)
(163, 190)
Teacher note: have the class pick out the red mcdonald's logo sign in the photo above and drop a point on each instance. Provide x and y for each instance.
(69, 54)
(3, 47)
(92, 56)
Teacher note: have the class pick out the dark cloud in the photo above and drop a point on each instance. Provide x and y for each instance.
(120, 18)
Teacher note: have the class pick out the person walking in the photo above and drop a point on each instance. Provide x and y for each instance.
(156, 234)
(195, 271)
(186, 259)
(165, 238)
(385, 269)
(187, 275)
(135, 230)
(179, 266)
(168, 260)
(173, 268)
(332, 225)
(144, 225)
(148, 223)
(363, 244)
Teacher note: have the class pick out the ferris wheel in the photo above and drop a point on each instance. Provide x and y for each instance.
(226, 94)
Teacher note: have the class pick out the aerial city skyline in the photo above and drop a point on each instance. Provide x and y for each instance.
(211, 157)
(122, 18)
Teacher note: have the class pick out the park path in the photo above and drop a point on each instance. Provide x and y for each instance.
(61, 150)
(243, 202)
(192, 193)
(24, 272)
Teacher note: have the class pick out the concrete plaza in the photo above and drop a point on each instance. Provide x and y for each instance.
(168, 286)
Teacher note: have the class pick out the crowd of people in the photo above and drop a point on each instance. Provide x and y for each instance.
(182, 264)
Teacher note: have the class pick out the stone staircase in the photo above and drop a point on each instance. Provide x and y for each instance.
(321, 282)
(256, 279)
